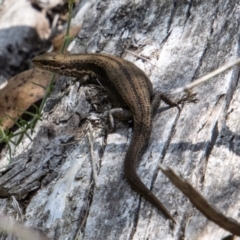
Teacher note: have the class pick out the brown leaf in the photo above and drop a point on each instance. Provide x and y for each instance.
(20, 93)
(58, 40)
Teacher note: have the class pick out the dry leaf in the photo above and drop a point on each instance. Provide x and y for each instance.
(20, 93)
(58, 41)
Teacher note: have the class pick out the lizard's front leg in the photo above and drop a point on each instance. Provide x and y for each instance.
(159, 95)
(156, 100)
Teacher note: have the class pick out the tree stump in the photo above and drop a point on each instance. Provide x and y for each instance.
(174, 42)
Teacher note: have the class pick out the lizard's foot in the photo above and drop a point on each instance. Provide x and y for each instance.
(188, 97)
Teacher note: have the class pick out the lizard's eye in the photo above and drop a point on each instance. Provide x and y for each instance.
(44, 62)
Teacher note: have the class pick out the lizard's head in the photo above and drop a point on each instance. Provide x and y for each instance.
(50, 61)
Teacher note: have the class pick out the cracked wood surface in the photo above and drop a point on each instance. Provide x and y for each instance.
(182, 41)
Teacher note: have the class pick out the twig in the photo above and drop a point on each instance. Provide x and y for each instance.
(90, 138)
(139, 56)
(201, 203)
(205, 78)
(17, 208)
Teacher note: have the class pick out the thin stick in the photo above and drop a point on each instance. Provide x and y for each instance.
(90, 138)
(206, 77)
(134, 54)
(201, 203)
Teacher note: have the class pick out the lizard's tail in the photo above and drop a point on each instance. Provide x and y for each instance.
(134, 153)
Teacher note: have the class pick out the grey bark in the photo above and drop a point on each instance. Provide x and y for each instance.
(182, 40)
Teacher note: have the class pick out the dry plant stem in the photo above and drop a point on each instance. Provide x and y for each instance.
(134, 54)
(206, 77)
(90, 138)
(83, 221)
(201, 203)
(17, 208)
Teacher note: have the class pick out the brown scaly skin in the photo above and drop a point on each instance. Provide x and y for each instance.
(127, 87)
